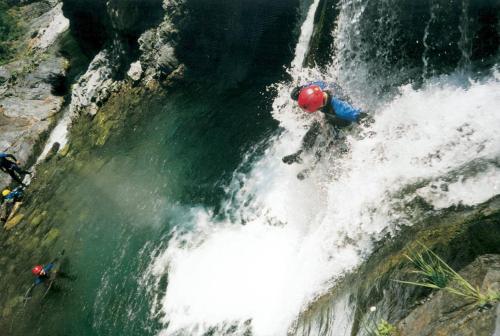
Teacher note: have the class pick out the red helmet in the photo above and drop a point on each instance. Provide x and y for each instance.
(311, 98)
(37, 270)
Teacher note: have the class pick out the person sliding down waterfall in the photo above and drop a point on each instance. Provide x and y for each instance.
(318, 96)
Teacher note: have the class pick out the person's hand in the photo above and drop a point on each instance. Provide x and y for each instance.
(293, 158)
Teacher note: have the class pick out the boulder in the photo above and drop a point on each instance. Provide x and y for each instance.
(135, 71)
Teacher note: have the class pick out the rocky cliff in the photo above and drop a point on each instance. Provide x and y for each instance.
(31, 96)
(93, 47)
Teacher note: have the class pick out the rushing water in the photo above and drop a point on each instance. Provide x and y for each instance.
(192, 225)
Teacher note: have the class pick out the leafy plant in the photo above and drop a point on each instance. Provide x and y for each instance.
(384, 328)
(435, 273)
(430, 267)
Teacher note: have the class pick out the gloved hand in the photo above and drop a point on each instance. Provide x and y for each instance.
(293, 158)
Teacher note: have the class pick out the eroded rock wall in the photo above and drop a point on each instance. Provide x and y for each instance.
(120, 41)
(29, 101)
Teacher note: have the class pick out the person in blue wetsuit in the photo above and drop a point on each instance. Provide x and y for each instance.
(47, 275)
(9, 164)
(42, 273)
(332, 102)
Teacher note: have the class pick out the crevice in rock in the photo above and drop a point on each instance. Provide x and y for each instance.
(114, 25)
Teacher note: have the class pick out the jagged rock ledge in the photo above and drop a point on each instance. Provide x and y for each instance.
(467, 238)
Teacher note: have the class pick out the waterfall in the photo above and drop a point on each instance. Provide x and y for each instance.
(305, 36)
(425, 57)
(284, 242)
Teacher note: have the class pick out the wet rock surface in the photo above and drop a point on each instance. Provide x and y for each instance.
(35, 234)
(448, 314)
(28, 103)
(468, 239)
(157, 45)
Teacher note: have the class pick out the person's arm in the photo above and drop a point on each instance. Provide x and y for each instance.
(345, 111)
(307, 143)
(16, 194)
(48, 267)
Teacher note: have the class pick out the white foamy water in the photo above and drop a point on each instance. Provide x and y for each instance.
(305, 36)
(466, 191)
(300, 236)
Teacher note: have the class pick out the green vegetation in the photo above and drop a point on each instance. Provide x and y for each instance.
(9, 31)
(435, 273)
(430, 267)
(382, 328)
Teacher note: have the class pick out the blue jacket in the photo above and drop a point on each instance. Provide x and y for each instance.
(46, 268)
(14, 194)
(335, 106)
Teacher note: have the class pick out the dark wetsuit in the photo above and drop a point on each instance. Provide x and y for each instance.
(8, 164)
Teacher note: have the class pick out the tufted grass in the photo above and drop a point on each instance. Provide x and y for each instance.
(435, 273)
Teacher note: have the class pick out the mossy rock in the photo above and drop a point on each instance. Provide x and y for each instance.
(51, 237)
(38, 218)
(11, 240)
(11, 304)
(64, 151)
(11, 223)
(31, 243)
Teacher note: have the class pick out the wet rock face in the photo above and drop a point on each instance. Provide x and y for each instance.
(110, 33)
(157, 45)
(89, 23)
(230, 42)
(132, 17)
(467, 239)
(95, 86)
(447, 314)
(30, 94)
(99, 24)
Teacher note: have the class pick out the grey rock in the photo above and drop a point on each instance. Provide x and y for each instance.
(448, 314)
(27, 106)
(95, 86)
(166, 59)
(135, 71)
(157, 45)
